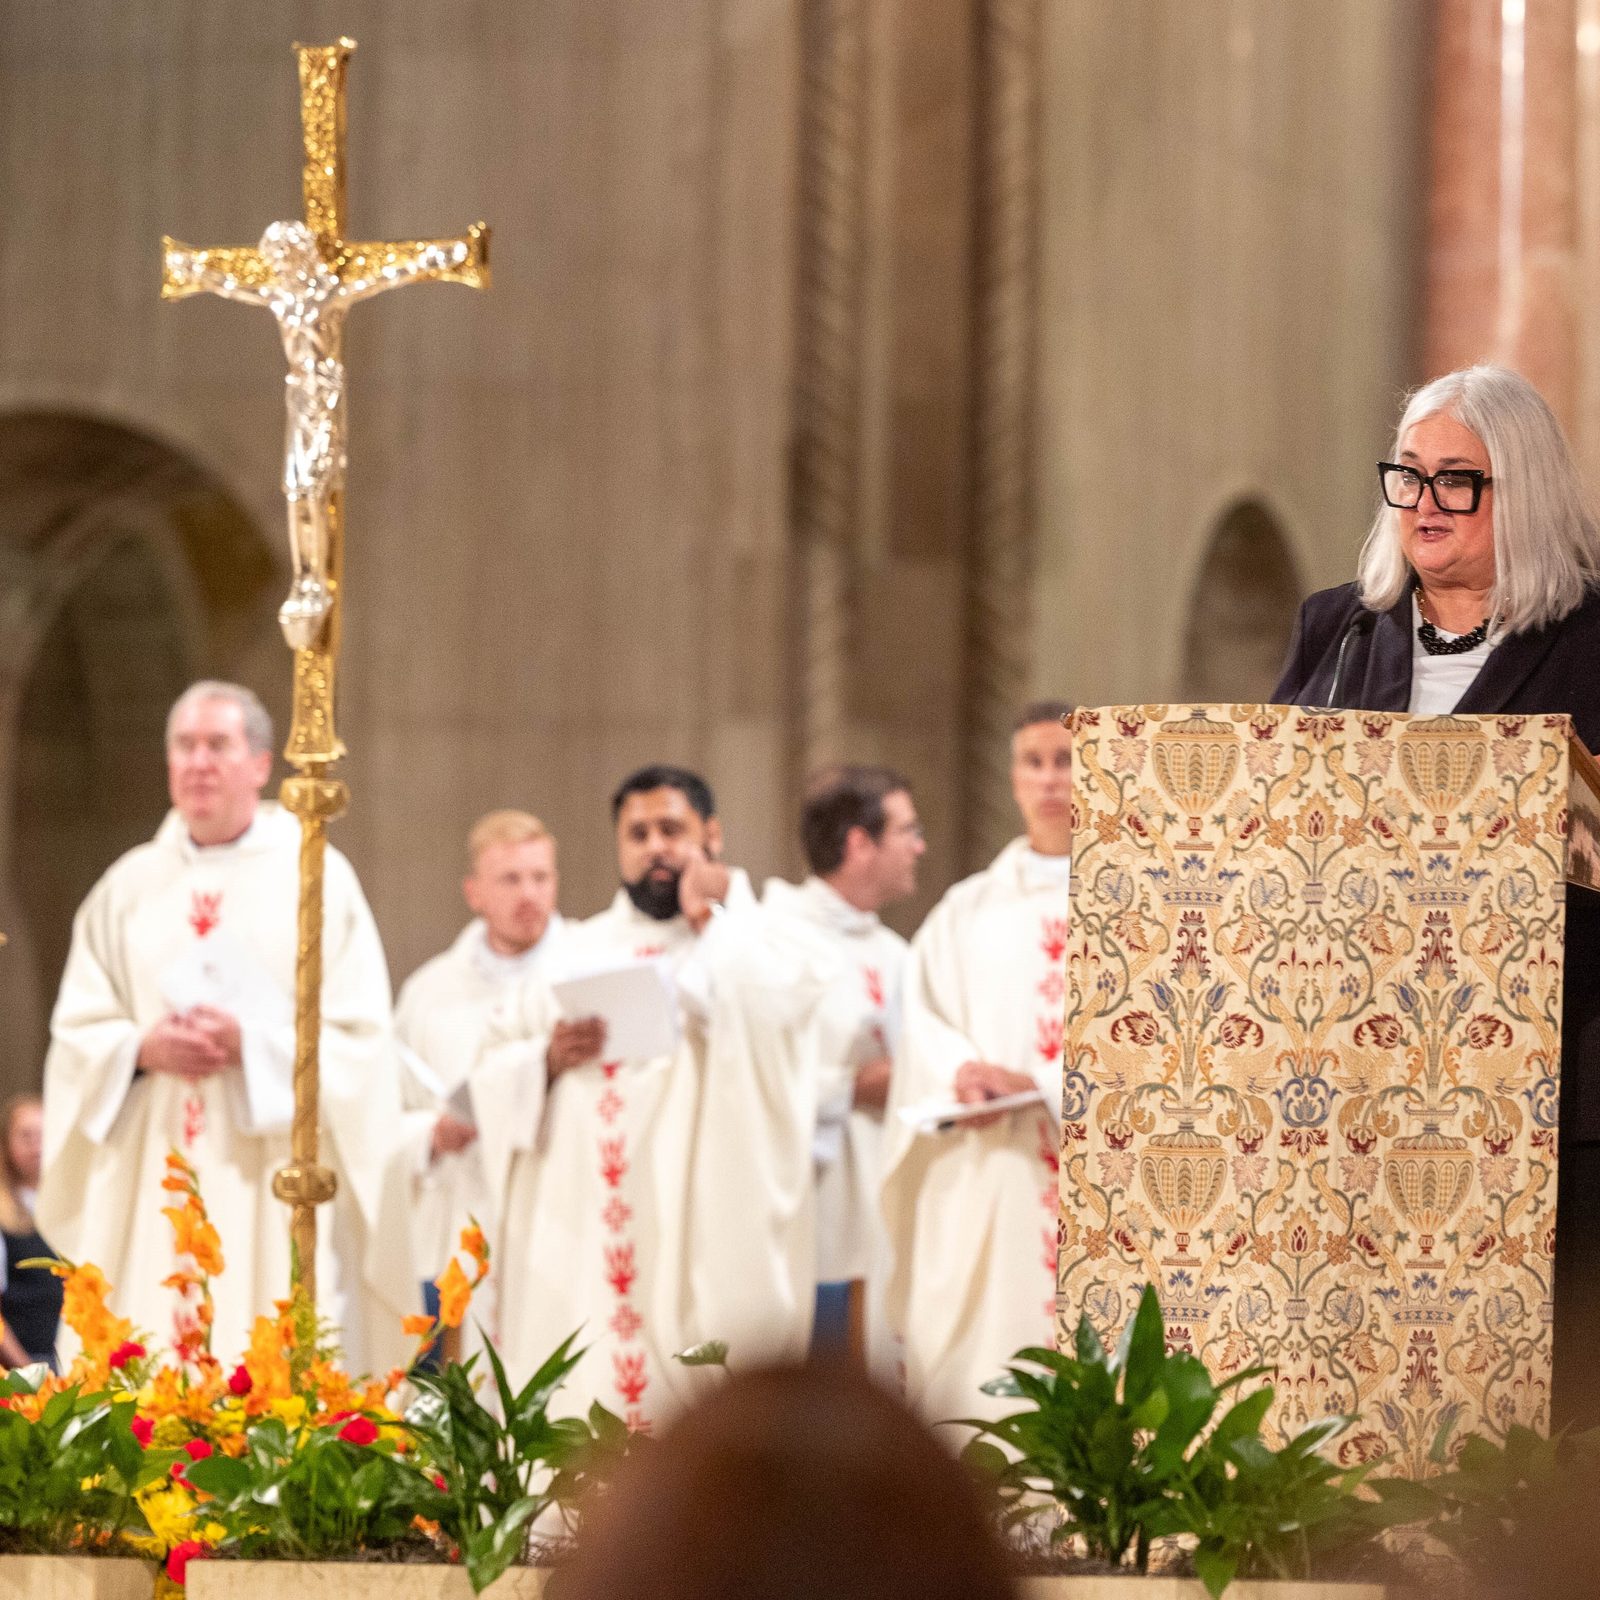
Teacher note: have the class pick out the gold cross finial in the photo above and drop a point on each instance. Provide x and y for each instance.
(323, 70)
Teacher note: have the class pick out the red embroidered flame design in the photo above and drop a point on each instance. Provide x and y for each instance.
(613, 1161)
(626, 1322)
(1053, 937)
(609, 1106)
(874, 982)
(194, 1118)
(628, 1371)
(620, 1268)
(1048, 1036)
(205, 912)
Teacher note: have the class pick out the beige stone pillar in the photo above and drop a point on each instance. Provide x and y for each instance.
(1502, 222)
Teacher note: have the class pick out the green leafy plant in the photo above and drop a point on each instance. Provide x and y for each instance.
(1509, 1511)
(1119, 1443)
(68, 1474)
(311, 1492)
(495, 1476)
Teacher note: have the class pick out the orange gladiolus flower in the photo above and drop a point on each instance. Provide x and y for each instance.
(476, 1246)
(455, 1294)
(417, 1327)
(194, 1236)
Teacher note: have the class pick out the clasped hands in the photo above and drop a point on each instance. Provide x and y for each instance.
(977, 1081)
(193, 1044)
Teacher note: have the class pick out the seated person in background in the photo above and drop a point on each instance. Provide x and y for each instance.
(656, 1201)
(971, 1210)
(862, 841)
(30, 1297)
(444, 1011)
(794, 1481)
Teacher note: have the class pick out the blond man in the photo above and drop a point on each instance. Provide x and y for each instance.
(448, 1004)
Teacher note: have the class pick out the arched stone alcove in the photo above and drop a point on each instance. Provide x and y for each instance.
(1242, 611)
(125, 572)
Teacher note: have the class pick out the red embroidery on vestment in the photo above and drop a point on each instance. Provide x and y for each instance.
(194, 1118)
(1055, 939)
(649, 952)
(617, 1214)
(620, 1268)
(613, 1161)
(630, 1376)
(205, 912)
(874, 982)
(609, 1106)
(626, 1322)
(1049, 1035)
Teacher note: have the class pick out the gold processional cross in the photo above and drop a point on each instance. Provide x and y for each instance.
(308, 275)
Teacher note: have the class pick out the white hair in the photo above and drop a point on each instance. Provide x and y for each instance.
(257, 719)
(1546, 542)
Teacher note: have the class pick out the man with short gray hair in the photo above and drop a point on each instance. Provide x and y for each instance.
(174, 1029)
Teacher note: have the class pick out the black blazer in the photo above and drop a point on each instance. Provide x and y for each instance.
(1551, 669)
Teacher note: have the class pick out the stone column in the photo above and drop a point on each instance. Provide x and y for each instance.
(1502, 217)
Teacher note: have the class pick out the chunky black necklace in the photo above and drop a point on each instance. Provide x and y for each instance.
(1436, 644)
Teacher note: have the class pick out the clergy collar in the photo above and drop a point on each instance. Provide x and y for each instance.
(1031, 869)
(492, 964)
(835, 910)
(269, 828)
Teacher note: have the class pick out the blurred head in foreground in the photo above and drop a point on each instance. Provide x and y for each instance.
(797, 1481)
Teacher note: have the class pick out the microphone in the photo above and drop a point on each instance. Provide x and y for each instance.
(1360, 623)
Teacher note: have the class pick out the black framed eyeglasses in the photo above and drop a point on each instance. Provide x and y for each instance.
(1454, 488)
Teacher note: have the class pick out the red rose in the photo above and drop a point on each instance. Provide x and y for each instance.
(198, 1449)
(142, 1428)
(128, 1350)
(439, 1483)
(359, 1430)
(179, 1557)
(240, 1382)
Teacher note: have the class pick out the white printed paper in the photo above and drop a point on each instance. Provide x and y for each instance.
(635, 999)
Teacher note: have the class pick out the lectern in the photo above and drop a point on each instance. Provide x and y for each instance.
(1313, 1075)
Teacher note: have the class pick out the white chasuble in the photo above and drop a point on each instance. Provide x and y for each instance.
(864, 961)
(656, 1204)
(171, 925)
(443, 1016)
(971, 1212)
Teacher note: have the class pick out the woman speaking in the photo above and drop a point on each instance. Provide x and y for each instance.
(1476, 589)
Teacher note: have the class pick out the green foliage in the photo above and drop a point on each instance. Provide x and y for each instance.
(68, 1479)
(308, 1494)
(1509, 1511)
(1119, 1443)
(499, 1474)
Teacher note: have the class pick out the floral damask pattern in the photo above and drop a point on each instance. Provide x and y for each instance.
(1313, 1018)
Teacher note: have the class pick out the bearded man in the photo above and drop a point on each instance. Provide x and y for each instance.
(657, 1202)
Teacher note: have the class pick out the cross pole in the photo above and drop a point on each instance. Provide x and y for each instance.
(310, 308)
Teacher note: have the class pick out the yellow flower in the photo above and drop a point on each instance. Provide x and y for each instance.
(290, 1411)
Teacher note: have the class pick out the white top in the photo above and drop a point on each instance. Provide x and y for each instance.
(1438, 682)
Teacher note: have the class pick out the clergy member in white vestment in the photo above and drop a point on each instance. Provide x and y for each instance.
(443, 1015)
(862, 841)
(175, 1029)
(661, 1201)
(971, 1210)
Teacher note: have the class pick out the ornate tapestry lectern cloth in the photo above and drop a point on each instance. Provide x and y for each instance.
(1312, 1051)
